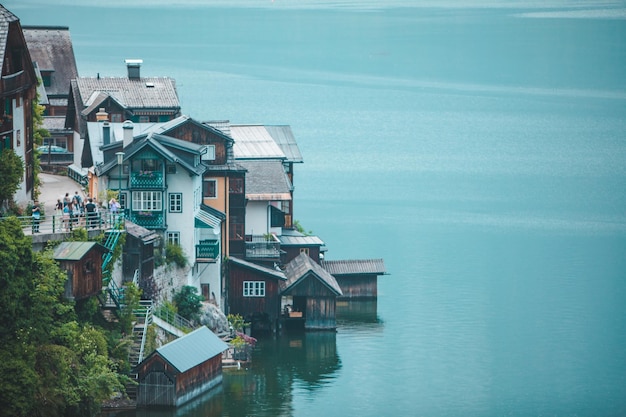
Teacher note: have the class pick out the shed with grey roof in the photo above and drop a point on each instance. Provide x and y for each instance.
(358, 278)
(181, 370)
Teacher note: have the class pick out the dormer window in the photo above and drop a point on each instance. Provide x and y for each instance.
(210, 153)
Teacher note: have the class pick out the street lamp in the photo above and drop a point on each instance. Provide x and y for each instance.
(120, 161)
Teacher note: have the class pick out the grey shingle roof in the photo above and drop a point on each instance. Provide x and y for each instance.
(6, 18)
(192, 349)
(354, 266)
(300, 267)
(266, 180)
(290, 240)
(143, 93)
(51, 48)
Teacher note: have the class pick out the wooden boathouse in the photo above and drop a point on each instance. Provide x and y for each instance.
(181, 370)
(357, 278)
(83, 263)
(311, 291)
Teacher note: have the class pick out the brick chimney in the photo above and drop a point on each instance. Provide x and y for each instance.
(133, 66)
(102, 115)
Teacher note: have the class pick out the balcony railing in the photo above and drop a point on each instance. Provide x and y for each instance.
(64, 158)
(146, 179)
(148, 219)
(208, 249)
(262, 247)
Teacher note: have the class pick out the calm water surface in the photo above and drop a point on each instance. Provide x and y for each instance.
(481, 152)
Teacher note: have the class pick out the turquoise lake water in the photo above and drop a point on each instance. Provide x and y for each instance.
(480, 151)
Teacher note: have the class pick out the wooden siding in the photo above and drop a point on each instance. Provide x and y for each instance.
(291, 252)
(320, 313)
(84, 276)
(249, 306)
(192, 133)
(161, 384)
(358, 286)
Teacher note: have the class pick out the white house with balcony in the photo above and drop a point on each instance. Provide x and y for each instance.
(159, 179)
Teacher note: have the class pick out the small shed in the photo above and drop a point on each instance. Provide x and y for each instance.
(311, 291)
(358, 278)
(181, 370)
(83, 263)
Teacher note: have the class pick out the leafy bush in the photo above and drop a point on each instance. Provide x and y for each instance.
(174, 254)
(189, 302)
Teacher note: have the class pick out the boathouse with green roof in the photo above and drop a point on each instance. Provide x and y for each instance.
(181, 370)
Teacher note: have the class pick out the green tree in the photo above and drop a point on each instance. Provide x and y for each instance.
(11, 172)
(189, 302)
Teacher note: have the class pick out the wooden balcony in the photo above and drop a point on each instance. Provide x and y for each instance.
(146, 179)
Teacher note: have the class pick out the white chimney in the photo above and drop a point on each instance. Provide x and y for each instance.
(133, 66)
(128, 128)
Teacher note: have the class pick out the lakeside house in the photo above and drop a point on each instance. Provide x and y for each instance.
(18, 89)
(52, 53)
(181, 370)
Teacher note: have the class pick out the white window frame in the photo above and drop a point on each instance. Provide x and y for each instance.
(210, 153)
(147, 201)
(173, 238)
(254, 288)
(175, 204)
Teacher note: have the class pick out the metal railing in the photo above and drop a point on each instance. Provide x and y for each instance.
(144, 312)
(174, 319)
(57, 223)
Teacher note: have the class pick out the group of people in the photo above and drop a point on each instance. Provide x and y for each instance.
(72, 208)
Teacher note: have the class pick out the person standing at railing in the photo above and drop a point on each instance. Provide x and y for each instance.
(66, 218)
(91, 210)
(36, 216)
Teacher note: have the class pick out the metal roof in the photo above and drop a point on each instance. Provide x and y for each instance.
(206, 218)
(300, 267)
(192, 349)
(283, 136)
(74, 251)
(355, 266)
(254, 142)
(266, 180)
(290, 240)
(259, 268)
(95, 134)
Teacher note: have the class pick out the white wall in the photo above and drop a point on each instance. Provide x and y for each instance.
(257, 218)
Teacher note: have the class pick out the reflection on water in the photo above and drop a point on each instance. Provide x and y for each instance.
(355, 312)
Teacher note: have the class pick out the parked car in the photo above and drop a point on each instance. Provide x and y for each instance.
(51, 149)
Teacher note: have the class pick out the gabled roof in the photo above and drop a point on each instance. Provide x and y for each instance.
(302, 267)
(51, 48)
(192, 349)
(95, 135)
(161, 145)
(254, 142)
(259, 268)
(354, 267)
(283, 136)
(149, 93)
(6, 18)
(75, 251)
(266, 180)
